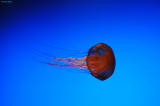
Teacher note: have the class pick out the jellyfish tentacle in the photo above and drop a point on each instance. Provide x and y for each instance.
(84, 66)
(70, 62)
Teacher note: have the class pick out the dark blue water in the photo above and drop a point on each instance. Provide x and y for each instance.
(69, 29)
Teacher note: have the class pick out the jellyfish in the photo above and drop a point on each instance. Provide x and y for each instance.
(100, 61)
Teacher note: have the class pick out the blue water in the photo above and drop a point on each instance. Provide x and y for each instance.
(70, 28)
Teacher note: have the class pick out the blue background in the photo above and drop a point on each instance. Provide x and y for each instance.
(69, 28)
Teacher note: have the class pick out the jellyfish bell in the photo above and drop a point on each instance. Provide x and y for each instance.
(101, 61)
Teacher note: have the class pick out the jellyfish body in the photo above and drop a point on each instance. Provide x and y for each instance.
(101, 61)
